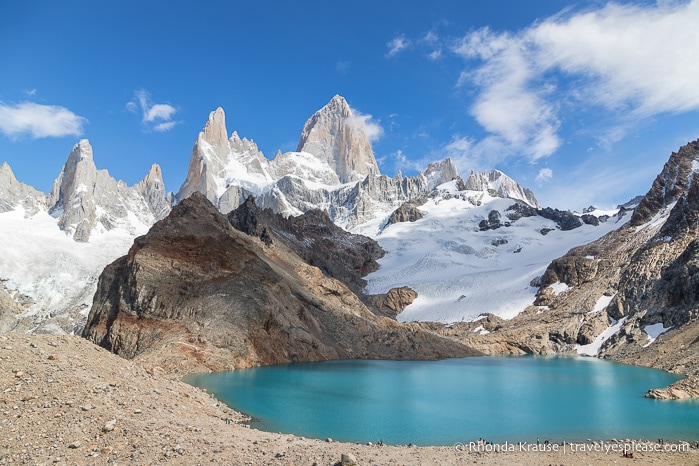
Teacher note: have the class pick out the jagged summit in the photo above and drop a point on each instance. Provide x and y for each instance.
(500, 185)
(670, 184)
(85, 199)
(14, 193)
(334, 134)
(225, 170)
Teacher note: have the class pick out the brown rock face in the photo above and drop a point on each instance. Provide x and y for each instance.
(314, 238)
(393, 302)
(407, 212)
(195, 294)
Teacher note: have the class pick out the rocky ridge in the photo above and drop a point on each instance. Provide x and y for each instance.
(315, 239)
(333, 169)
(196, 294)
(631, 296)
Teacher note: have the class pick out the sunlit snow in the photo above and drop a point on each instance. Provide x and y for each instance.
(654, 331)
(593, 348)
(43, 262)
(460, 272)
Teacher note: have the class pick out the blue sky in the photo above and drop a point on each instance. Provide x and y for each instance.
(581, 102)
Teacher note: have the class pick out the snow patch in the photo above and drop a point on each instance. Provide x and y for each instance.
(654, 331)
(559, 288)
(593, 348)
(481, 330)
(602, 303)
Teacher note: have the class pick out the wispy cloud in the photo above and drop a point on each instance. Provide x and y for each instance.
(396, 45)
(39, 121)
(155, 117)
(545, 175)
(342, 66)
(371, 128)
(630, 61)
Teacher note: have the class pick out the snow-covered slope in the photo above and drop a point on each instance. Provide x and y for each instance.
(53, 275)
(56, 245)
(460, 269)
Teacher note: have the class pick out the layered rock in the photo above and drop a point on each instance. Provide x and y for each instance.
(85, 199)
(195, 290)
(335, 135)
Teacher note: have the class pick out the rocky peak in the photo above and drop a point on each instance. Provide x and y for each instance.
(84, 198)
(672, 182)
(440, 172)
(153, 191)
(334, 134)
(214, 131)
(224, 169)
(501, 185)
(14, 193)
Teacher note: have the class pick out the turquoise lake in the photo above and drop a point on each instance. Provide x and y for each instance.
(457, 400)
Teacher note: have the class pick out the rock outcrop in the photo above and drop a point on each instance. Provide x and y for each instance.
(195, 291)
(407, 212)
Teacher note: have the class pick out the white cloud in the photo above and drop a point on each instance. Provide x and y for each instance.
(372, 129)
(156, 117)
(396, 45)
(545, 175)
(435, 54)
(645, 58)
(630, 61)
(39, 121)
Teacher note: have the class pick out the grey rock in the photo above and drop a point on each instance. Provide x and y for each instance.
(13, 193)
(348, 459)
(109, 426)
(334, 134)
(84, 198)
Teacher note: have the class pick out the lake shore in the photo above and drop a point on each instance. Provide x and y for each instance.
(64, 400)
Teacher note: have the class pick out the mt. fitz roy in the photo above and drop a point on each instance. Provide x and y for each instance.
(334, 169)
(48, 274)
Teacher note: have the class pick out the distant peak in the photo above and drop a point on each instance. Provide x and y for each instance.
(328, 136)
(154, 174)
(214, 131)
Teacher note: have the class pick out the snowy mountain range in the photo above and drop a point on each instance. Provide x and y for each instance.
(474, 245)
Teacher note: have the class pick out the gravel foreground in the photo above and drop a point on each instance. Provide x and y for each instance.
(64, 400)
